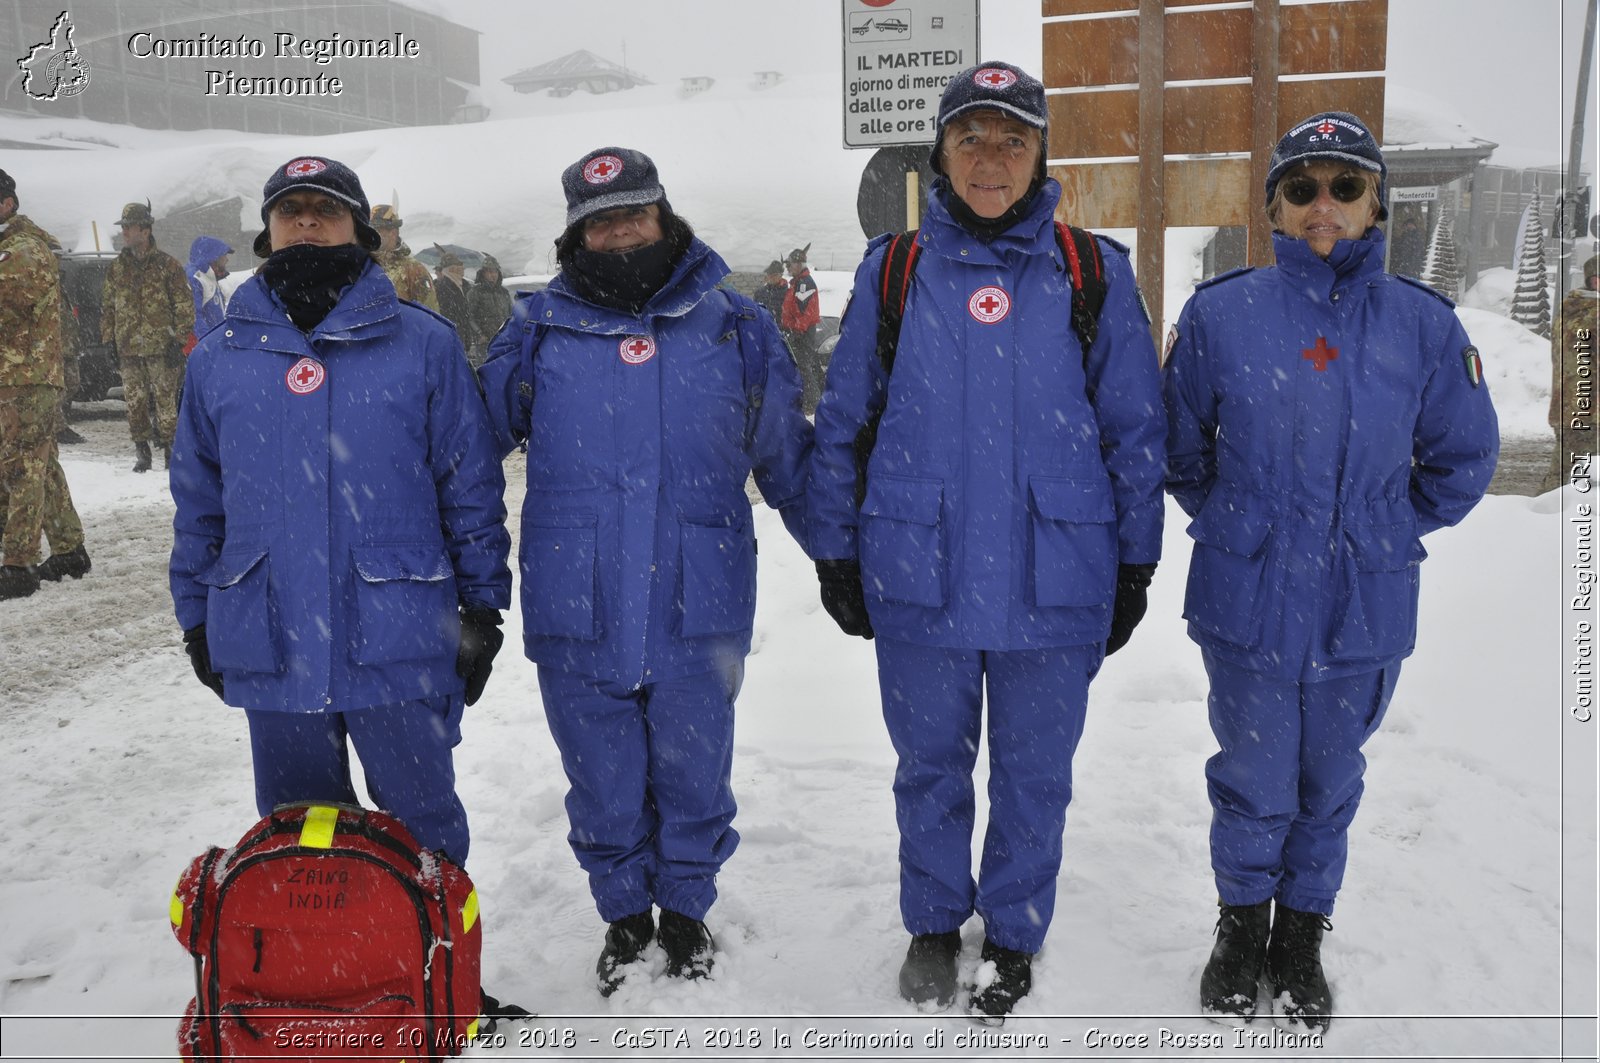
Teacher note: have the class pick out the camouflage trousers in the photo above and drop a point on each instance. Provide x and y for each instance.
(33, 490)
(151, 384)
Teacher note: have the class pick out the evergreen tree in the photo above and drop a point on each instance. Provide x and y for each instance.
(1530, 303)
(1439, 269)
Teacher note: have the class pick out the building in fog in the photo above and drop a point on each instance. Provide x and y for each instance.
(149, 63)
(573, 71)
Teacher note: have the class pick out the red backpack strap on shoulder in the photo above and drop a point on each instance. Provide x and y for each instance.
(899, 261)
(1087, 267)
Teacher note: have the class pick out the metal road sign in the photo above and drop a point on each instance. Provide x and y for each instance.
(898, 54)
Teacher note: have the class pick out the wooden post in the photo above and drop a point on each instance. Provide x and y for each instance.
(913, 215)
(1263, 125)
(1152, 159)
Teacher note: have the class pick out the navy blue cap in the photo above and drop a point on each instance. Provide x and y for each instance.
(312, 173)
(607, 178)
(1336, 136)
(991, 86)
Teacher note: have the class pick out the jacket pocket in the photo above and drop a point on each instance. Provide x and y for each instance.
(1380, 585)
(718, 576)
(1074, 542)
(241, 616)
(405, 604)
(1227, 572)
(902, 540)
(559, 570)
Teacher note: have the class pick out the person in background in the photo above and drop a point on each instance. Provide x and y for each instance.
(410, 278)
(339, 547)
(772, 290)
(1572, 360)
(646, 395)
(1322, 416)
(34, 497)
(488, 307)
(147, 314)
(207, 266)
(800, 319)
(450, 286)
(998, 538)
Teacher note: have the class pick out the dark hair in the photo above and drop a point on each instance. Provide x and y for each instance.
(675, 229)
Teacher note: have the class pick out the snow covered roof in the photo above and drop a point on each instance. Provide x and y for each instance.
(572, 67)
(1414, 120)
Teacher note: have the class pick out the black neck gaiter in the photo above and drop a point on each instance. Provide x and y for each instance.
(309, 278)
(986, 229)
(624, 280)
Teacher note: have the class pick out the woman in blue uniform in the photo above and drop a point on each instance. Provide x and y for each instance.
(1322, 416)
(998, 538)
(647, 396)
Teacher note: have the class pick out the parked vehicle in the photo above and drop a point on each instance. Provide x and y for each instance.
(83, 279)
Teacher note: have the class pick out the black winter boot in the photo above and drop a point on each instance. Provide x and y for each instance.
(17, 581)
(66, 436)
(142, 461)
(929, 973)
(688, 945)
(166, 457)
(1301, 1000)
(625, 942)
(74, 563)
(1228, 984)
(1011, 980)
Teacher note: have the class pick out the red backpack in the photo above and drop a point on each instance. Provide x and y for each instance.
(328, 932)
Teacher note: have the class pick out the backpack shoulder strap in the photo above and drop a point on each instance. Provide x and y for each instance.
(533, 330)
(1087, 268)
(899, 261)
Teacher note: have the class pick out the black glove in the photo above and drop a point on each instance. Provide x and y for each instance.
(480, 641)
(194, 644)
(1128, 609)
(842, 596)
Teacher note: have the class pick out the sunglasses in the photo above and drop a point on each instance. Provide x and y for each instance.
(1346, 188)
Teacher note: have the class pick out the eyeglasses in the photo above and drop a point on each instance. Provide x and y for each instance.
(1346, 188)
(324, 208)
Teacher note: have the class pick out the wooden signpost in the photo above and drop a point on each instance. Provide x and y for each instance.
(1164, 112)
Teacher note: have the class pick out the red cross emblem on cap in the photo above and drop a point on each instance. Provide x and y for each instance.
(602, 169)
(305, 376)
(636, 350)
(1327, 127)
(304, 167)
(989, 305)
(991, 77)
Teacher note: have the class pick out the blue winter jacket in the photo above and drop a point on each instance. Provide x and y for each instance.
(637, 554)
(208, 310)
(1323, 414)
(338, 497)
(1010, 475)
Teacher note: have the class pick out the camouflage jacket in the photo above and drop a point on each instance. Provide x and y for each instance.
(30, 308)
(1572, 354)
(410, 278)
(147, 309)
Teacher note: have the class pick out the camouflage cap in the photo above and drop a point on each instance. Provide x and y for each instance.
(448, 259)
(136, 214)
(385, 217)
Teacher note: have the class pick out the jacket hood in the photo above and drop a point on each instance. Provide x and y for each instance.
(1349, 259)
(1032, 232)
(204, 251)
(368, 305)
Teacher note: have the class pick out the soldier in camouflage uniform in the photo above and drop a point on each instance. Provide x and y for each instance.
(147, 313)
(33, 490)
(410, 278)
(1572, 376)
(488, 305)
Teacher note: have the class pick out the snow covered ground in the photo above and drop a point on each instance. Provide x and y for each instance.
(1470, 889)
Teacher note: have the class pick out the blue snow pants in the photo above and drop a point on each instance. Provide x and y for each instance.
(651, 803)
(933, 706)
(405, 752)
(1286, 782)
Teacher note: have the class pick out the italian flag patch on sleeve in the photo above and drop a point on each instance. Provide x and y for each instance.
(1474, 365)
